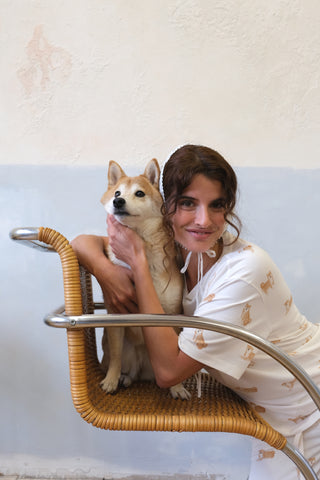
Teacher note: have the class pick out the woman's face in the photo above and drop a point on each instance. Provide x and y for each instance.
(199, 218)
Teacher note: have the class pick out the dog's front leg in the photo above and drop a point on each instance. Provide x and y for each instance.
(114, 342)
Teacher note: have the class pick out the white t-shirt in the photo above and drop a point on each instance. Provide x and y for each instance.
(245, 288)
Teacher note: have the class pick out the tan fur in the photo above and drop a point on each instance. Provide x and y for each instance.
(136, 202)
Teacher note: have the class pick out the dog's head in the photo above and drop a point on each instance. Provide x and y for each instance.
(133, 199)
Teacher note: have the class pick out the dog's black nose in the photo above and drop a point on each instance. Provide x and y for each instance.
(119, 202)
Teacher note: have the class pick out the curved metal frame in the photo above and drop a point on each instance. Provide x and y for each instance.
(59, 320)
(29, 237)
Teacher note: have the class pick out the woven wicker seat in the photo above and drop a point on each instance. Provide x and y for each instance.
(144, 406)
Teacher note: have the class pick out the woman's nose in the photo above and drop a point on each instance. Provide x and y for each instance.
(203, 216)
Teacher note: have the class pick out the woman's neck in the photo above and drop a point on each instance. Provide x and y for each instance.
(192, 272)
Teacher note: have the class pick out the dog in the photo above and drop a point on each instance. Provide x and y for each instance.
(136, 202)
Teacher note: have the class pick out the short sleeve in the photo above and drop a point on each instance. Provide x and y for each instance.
(238, 303)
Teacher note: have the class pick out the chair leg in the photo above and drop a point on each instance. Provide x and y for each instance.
(301, 463)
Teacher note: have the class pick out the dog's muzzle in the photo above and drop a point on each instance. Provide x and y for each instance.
(119, 206)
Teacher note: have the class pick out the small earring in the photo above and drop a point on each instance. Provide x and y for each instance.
(225, 229)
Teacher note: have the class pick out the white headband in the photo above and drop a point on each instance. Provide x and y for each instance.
(162, 168)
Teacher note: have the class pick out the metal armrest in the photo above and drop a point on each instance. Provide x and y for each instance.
(29, 236)
(60, 320)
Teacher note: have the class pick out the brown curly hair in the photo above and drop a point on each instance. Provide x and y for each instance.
(183, 165)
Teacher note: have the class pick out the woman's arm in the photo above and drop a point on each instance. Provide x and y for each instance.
(115, 281)
(170, 364)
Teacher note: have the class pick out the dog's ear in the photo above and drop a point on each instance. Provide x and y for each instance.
(115, 172)
(152, 172)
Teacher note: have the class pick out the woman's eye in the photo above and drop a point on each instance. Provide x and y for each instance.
(186, 203)
(140, 193)
(218, 205)
(117, 194)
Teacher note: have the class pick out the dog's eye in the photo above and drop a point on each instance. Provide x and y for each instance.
(140, 193)
(117, 194)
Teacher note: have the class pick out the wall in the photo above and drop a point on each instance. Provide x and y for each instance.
(88, 81)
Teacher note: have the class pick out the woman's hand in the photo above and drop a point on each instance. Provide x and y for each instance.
(116, 282)
(118, 289)
(125, 242)
(130, 248)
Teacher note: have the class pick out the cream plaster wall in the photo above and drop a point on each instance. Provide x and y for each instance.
(84, 81)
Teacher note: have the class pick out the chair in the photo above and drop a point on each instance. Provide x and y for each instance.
(144, 406)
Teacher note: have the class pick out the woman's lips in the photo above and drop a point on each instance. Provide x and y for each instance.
(201, 234)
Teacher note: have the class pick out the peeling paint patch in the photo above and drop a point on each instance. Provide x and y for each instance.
(45, 63)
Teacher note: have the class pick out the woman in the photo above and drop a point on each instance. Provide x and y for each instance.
(227, 279)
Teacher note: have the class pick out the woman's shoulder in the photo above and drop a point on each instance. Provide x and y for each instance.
(244, 258)
(240, 249)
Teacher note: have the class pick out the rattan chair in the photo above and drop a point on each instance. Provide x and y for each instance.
(144, 406)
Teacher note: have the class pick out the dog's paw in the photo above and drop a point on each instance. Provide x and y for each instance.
(125, 380)
(178, 391)
(109, 385)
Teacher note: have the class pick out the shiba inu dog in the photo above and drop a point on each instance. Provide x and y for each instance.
(136, 202)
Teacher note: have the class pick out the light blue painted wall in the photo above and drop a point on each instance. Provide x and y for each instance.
(40, 432)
